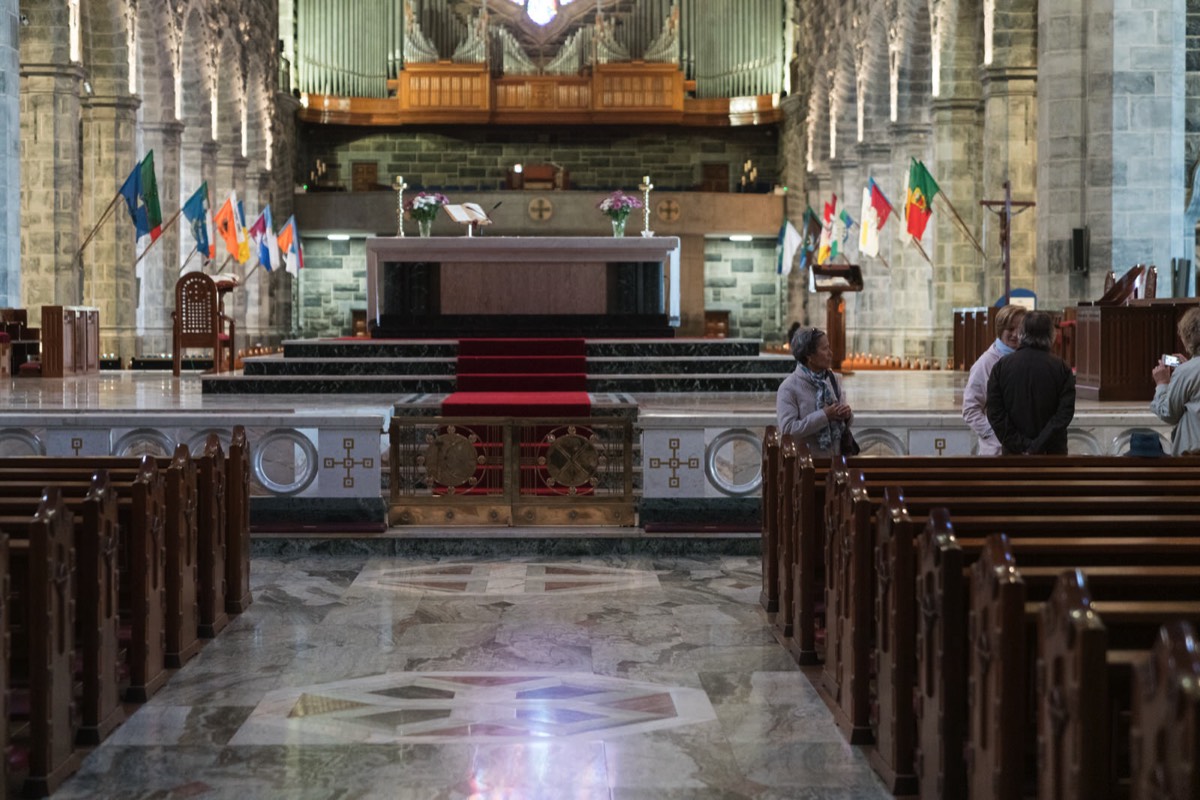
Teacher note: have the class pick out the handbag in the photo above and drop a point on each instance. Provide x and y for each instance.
(850, 445)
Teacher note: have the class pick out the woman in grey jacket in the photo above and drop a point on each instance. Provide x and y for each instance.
(1177, 390)
(809, 403)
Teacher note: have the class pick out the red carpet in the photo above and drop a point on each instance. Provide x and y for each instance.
(520, 378)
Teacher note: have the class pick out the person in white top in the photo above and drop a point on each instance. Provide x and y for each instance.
(974, 408)
(1177, 389)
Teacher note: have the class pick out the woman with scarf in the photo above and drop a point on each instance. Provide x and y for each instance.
(809, 403)
(974, 408)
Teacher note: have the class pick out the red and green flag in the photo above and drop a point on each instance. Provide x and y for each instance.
(140, 192)
(922, 188)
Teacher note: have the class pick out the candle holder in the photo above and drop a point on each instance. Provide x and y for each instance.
(400, 186)
(646, 186)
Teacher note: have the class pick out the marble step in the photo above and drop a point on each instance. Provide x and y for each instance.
(409, 367)
(448, 348)
(433, 384)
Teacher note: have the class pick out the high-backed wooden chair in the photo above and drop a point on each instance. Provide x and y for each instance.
(199, 321)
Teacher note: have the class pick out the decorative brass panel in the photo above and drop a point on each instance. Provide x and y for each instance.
(505, 471)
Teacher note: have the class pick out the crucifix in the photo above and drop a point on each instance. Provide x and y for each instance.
(1004, 208)
(400, 186)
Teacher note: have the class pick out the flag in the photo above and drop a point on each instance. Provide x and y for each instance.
(262, 235)
(140, 191)
(789, 243)
(289, 244)
(827, 248)
(922, 188)
(199, 216)
(231, 224)
(841, 231)
(875, 212)
(811, 226)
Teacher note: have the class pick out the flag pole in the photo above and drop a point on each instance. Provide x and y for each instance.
(962, 226)
(224, 264)
(186, 260)
(251, 272)
(103, 218)
(164, 229)
(924, 255)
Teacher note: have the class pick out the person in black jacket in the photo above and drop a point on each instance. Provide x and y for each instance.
(1031, 393)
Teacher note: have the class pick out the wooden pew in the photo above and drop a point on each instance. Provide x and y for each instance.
(852, 570)
(237, 529)
(95, 536)
(142, 563)
(787, 522)
(211, 561)
(42, 638)
(1165, 729)
(768, 598)
(180, 493)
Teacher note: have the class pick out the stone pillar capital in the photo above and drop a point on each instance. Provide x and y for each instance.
(955, 104)
(999, 81)
(909, 131)
(168, 129)
(116, 102)
(874, 151)
(52, 70)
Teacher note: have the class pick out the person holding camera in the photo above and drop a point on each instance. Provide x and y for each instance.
(1177, 388)
(809, 404)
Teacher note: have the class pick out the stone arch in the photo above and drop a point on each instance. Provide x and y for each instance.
(818, 116)
(106, 28)
(843, 104)
(154, 81)
(193, 84)
(873, 74)
(956, 32)
(910, 52)
(231, 97)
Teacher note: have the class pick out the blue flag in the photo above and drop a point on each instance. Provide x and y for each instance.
(199, 215)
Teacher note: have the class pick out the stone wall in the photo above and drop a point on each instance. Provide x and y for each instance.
(740, 277)
(599, 157)
(332, 283)
(10, 156)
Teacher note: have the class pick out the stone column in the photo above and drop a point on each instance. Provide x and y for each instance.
(874, 327)
(691, 286)
(912, 276)
(258, 288)
(1010, 154)
(159, 270)
(53, 218)
(1111, 144)
(231, 176)
(10, 156)
(110, 152)
(792, 142)
(958, 266)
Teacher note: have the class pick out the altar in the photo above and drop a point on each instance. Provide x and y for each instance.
(522, 286)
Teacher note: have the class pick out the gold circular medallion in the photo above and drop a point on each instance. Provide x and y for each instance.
(572, 460)
(540, 209)
(667, 210)
(450, 458)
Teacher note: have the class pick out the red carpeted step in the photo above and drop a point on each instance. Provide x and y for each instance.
(517, 404)
(472, 365)
(552, 382)
(516, 347)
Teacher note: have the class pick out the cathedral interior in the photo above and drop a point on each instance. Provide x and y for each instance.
(401, 641)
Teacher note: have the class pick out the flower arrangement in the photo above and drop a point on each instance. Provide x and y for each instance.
(424, 207)
(618, 205)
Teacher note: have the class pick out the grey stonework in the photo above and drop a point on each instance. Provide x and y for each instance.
(85, 124)
(599, 157)
(10, 156)
(1091, 111)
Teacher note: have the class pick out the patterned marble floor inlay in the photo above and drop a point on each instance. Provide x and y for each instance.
(448, 707)
(506, 578)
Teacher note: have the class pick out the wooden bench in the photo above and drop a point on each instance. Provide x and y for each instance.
(95, 537)
(1165, 724)
(142, 565)
(42, 640)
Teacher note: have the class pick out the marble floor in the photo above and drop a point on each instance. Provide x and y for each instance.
(624, 678)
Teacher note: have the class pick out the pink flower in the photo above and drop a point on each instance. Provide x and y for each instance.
(618, 205)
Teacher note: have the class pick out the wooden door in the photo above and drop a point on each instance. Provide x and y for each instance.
(364, 176)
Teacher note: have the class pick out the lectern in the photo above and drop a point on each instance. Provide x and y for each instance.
(837, 279)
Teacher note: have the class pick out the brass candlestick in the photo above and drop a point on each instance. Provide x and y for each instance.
(400, 186)
(646, 186)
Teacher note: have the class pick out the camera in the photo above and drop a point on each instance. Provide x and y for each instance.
(1170, 360)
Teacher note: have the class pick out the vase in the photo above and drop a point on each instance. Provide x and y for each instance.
(425, 227)
(618, 226)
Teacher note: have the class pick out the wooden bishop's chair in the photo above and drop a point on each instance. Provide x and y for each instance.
(199, 321)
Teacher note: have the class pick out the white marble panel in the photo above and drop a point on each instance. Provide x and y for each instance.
(75, 441)
(348, 462)
(941, 442)
(673, 463)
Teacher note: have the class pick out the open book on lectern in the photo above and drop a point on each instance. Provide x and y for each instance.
(467, 213)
